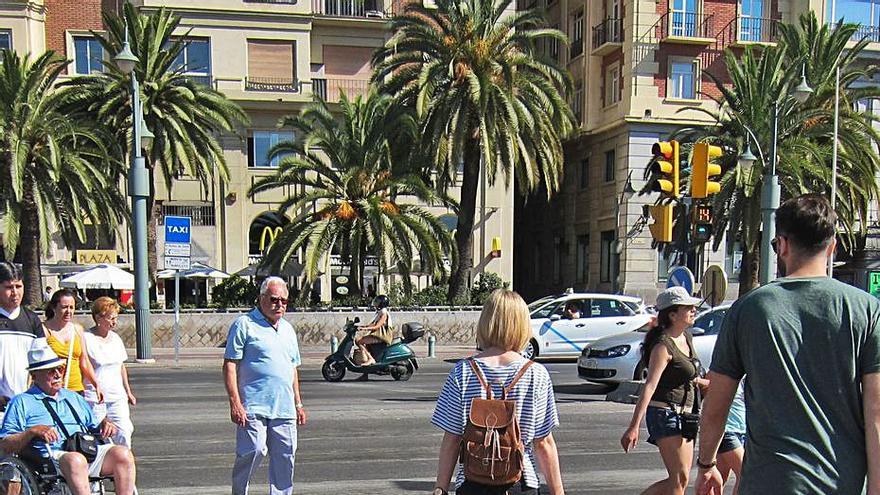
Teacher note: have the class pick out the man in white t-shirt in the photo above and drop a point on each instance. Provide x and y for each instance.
(18, 328)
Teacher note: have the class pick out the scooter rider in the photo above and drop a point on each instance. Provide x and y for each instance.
(379, 329)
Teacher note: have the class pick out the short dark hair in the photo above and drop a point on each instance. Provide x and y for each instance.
(8, 271)
(808, 222)
(56, 299)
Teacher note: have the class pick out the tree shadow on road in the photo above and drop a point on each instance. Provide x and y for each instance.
(410, 399)
(415, 486)
(592, 392)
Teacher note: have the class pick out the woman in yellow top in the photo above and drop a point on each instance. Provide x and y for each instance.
(60, 328)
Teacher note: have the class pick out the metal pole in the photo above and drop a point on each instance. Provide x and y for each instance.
(139, 190)
(770, 194)
(176, 316)
(482, 249)
(834, 155)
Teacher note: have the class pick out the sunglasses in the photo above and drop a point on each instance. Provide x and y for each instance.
(277, 300)
(57, 371)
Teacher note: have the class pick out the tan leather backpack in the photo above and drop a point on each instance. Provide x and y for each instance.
(491, 448)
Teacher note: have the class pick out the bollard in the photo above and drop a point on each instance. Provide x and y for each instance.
(431, 344)
(334, 344)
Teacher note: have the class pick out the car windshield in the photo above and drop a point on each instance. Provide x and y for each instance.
(711, 321)
(540, 302)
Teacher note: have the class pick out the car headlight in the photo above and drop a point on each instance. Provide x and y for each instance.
(586, 351)
(617, 351)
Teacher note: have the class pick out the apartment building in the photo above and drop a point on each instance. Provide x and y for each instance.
(637, 68)
(272, 57)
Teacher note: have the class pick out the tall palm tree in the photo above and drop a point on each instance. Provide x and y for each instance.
(186, 117)
(352, 196)
(484, 97)
(760, 78)
(55, 172)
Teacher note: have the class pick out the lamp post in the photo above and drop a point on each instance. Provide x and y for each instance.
(139, 190)
(620, 246)
(770, 190)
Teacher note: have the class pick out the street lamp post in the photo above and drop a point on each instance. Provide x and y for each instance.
(770, 190)
(620, 246)
(139, 190)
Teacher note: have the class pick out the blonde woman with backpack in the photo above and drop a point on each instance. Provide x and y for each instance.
(502, 398)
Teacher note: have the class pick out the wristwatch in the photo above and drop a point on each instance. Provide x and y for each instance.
(708, 465)
(439, 491)
(299, 405)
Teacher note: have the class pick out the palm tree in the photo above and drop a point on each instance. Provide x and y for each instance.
(760, 78)
(55, 172)
(351, 196)
(484, 97)
(185, 116)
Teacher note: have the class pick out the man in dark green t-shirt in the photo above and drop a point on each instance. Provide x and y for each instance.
(809, 347)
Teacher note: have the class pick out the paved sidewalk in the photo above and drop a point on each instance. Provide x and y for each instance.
(312, 355)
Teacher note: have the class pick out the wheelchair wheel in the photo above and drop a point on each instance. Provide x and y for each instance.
(16, 478)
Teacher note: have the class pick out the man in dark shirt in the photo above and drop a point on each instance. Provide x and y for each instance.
(18, 328)
(810, 346)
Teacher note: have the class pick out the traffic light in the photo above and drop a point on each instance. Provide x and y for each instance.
(661, 229)
(702, 222)
(666, 167)
(704, 170)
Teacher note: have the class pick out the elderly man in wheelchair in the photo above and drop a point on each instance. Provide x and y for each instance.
(51, 431)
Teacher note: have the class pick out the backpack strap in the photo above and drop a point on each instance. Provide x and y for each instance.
(480, 377)
(55, 417)
(522, 371)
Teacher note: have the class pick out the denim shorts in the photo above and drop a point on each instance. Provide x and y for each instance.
(731, 441)
(662, 422)
(471, 488)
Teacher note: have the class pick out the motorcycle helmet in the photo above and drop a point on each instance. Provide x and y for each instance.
(381, 301)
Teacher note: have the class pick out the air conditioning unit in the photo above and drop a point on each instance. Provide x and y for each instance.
(374, 14)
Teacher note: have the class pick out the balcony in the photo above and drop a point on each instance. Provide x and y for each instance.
(870, 33)
(607, 36)
(689, 28)
(331, 89)
(577, 48)
(274, 84)
(363, 9)
(755, 30)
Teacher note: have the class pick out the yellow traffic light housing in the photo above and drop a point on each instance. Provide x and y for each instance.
(661, 229)
(666, 166)
(702, 185)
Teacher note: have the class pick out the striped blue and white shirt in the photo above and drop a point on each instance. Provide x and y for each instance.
(533, 393)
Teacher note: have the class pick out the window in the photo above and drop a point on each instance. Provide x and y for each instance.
(553, 46)
(271, 66)
(577, 34)
(583, 259)
(577, 103)
(600, 308)
(259, 145)
(610, 165)
(88, 55)
(684, 18)
(5, 39)
(751, 22)
(558, 253)
(201, 215)
(608, 258)
(711, 321)
(612, 84)
(194, 60)
(663, 265)
(682, 79)
(585, 173)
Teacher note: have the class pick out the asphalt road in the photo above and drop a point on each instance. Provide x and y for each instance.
(362, 437)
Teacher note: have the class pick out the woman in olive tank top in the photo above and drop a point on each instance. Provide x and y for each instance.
(673, 375)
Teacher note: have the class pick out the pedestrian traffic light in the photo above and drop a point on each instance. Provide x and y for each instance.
(702, 221)
(704, 170)
(665, 168)
(661, 229)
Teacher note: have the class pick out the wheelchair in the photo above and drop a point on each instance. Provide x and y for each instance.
(35, 475)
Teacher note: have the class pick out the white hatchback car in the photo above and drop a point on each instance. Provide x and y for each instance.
(601, 315)
(618, 358)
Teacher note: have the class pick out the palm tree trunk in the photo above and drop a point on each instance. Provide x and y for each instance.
(748, 274)
(464, 234)
(29, 232)
(153, 212)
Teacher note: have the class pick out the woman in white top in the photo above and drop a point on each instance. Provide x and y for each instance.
(503, 331)
(108, 355)
(379, 329)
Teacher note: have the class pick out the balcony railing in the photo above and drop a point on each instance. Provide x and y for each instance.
(331, 89)
(756, 30)
(204, 80)
(609, 31)
(871, 33)
(577, 47)
(276, 84)
(683, 25)
(367, 9)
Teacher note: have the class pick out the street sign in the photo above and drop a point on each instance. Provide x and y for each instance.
(177, 229)
(681, 276)
(177, 249)
(177, 262)
(874, 283)
(714, 286)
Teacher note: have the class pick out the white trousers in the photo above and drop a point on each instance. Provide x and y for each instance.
(118, 412)
(262, 437)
